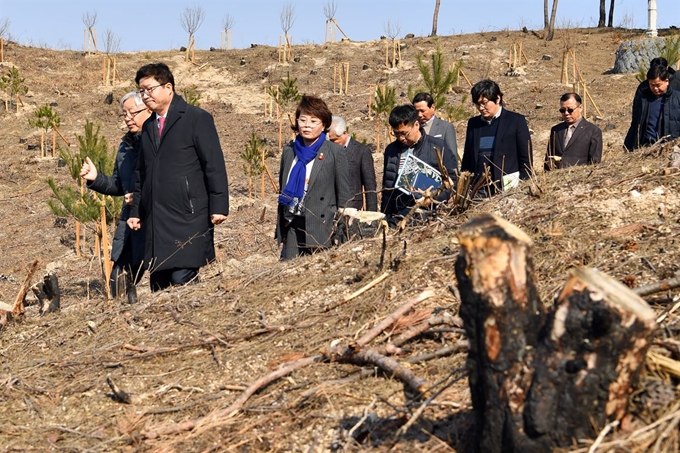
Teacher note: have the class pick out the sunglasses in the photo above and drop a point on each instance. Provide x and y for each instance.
(569, 110)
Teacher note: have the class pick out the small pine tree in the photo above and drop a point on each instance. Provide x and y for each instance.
(671, 50)
(384, 101)
(437, 78)
(457, 112)
(14, 83)
(192, 96)
(285, 95)
(252, 160)
(45, 119)
(88, 207)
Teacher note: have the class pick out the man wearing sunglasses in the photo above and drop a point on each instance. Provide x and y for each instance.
(574, 141)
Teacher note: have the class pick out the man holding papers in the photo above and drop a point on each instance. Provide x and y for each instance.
(411, 166)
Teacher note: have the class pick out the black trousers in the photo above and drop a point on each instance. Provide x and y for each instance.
(125, 272)
(161, 280)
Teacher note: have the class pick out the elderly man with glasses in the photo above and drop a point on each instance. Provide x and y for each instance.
(181, 191)
(497, 142)
(574, 141)
(410, 138)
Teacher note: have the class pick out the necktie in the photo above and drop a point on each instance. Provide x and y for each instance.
(161, 123)
(568, 135)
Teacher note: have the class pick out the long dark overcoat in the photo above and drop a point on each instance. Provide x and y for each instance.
(122, 181)
(181, 181)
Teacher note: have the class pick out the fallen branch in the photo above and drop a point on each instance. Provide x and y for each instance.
(657, 287)
(7, 311)
(356, 293)
(459, 346)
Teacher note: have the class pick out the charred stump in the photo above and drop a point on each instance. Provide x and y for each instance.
(540, 379)
(354, 224)
(48, 294)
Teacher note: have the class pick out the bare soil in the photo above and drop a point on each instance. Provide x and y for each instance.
(186, 354)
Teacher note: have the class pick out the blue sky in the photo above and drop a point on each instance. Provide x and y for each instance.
(155, 25)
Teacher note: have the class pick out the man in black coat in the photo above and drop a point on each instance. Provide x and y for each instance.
(360, 165)
(498, 140)
(181, 190)
(574, 141)
(410, 137)
(656, 111)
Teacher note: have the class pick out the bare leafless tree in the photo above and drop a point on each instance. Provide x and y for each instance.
(329, 9)
(610, 24)
(4, 28)
(603, 13)
(191, 19)
(111, 42)
(551, 26)
(228, 22)
(287, 17)
(435, 18)
(90, 19)
(392, 29)
(545, 14)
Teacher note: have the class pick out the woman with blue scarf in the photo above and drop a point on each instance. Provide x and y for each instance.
(314, 182)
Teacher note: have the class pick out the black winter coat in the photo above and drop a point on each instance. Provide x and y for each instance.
(395, 201)
(121, 182)
(669, 123)
(181, 181)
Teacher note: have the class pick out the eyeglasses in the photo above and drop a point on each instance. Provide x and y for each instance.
(131, 115)
(483, 104)
(148, 91)
(569, 110)
(403, 134)
(308, 122)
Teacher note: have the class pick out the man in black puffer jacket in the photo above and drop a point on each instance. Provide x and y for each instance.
(409, 136)
(656, 111)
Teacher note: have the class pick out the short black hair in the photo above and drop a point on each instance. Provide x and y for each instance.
(159, 71)
(658, 61)
(566, 96)
(658, 72)
(486, 89)
(423, 97)
(403, 115)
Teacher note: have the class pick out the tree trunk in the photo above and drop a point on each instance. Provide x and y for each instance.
(545, 15)
(539, 380)
(611, 14)
(435, 17)
(353, 224)
(551, 27)
(603, 14)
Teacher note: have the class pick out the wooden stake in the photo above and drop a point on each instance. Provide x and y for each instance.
(104, 71)
(54, 143)
(271, 178)
(460, 71)
(338, 27)
(2, 49)
(105, 249)
(60, 135)
(262, 174)
(77, 238)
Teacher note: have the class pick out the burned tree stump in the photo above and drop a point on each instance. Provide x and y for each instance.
(540, 380)
(48, 294)
(355, 224)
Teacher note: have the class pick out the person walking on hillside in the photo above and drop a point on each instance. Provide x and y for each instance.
(361, 167)
(432, 124)
(497, 141)
(181, 191)
(656, 111)
(574, 141)
(410, 139)
(314, 183)
(127, 250)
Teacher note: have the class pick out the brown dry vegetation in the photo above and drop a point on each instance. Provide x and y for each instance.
(187, 354)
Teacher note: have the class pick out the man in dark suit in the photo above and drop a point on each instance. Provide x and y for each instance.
(432, 124)
(181, 190)
(361, 169)
(409, 137)
(497, 141)
(574, 141)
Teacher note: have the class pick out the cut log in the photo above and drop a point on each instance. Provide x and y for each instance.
(537, 380)
(354, 224)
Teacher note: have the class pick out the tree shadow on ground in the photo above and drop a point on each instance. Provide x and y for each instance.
(454, 430)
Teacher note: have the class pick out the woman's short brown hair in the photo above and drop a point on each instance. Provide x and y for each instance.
(315, 106)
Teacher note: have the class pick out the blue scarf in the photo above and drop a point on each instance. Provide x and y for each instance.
(292, 194)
